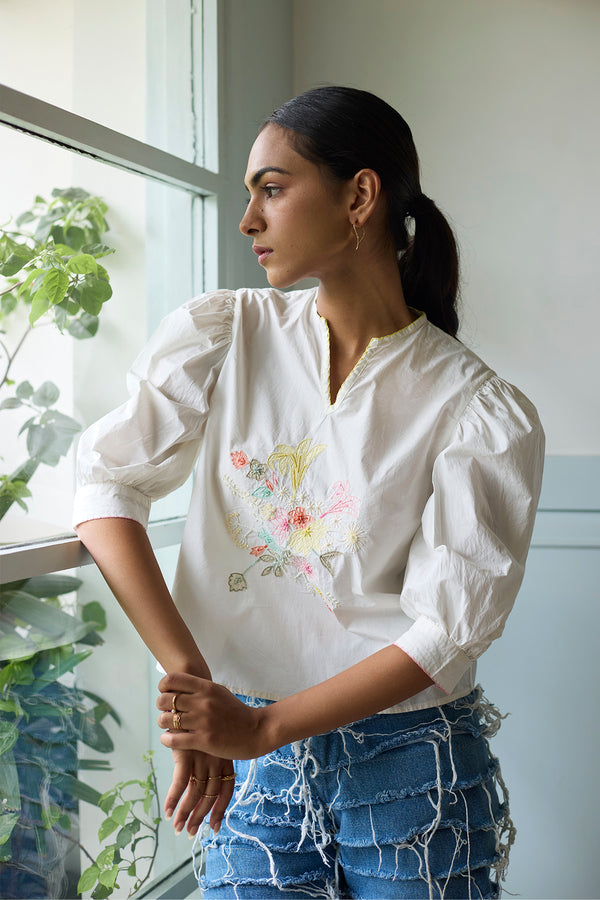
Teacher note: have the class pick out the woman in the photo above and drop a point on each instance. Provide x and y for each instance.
(364, 501)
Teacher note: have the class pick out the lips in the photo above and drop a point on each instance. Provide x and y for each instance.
(262, 253)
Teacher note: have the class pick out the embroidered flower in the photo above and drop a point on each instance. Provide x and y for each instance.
(257, 470)
(280, 526)
(354, 537)
(310, 538)
(268, 511)
(303, 566)
(239, 459)
(258, 551)
(299, 518)
(341, 499)
(237, 582)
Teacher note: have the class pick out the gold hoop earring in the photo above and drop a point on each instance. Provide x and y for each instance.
(359, 236)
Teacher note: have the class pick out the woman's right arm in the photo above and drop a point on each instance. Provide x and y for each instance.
(122, 551)
(124, 555)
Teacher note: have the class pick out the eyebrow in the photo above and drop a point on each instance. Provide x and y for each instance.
(259, 174)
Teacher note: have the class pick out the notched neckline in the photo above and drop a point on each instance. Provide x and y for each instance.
(351, 377)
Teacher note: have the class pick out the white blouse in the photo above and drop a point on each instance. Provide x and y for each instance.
(320, 532)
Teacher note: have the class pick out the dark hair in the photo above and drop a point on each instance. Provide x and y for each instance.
(347, 130)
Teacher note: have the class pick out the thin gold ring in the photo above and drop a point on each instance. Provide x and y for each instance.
(209, 796)
(173, 702)
(228, 777)
(194, 780)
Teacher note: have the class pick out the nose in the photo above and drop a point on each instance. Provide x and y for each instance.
(252, 222)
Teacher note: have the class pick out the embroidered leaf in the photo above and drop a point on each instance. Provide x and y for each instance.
(267, 558)
(263, 493)
(278, 571)
(326, 560)
(267, 571)
(296, 461)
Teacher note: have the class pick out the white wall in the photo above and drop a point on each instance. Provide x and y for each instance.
(501, 97)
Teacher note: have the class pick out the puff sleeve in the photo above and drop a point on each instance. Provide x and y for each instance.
(466, 561)
(147, 447)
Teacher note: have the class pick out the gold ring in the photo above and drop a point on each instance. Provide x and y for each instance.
(173, 702)
(209, 796)
(228, 777)
(194, 780)
(177, 726)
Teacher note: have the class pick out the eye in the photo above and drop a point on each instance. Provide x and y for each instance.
(270, 190)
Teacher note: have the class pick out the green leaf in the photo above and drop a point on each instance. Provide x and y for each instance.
(55, 286)
(46, 395)
(7, 823)
(75, 237)
(19, 258)
(25, 218)
(94, 292)
(9, 735)
(107, 800)
(105, 857)
(98, 250)
(132, 869)
(51, 585)
(124, 837)
(94, 613)
(82, 264)
(88, 879)
(11, 403)
(101, 892)
(85, 326)
(120, 813)
(108, 826)
(72, 193)
(50, 816)
(39, 307)
(24, 390)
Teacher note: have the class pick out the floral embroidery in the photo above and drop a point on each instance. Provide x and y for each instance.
(284, 528)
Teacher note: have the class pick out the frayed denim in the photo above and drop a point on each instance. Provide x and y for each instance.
(395, 806)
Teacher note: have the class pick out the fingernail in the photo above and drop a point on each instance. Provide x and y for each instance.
(192, 834)
(178, 829)
(168, 814)
(217, 828)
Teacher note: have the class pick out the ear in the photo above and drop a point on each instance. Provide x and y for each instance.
(365, 190)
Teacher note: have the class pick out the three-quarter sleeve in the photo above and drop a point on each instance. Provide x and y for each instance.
(147, 447)
(467, 560)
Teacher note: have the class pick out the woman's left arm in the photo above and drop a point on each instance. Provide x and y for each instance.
(218, 723)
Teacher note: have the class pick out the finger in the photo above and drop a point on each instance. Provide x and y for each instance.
(183, 740)
(192, 800)
(175, 721)
(179, 784)
(175, 682)
(221, 804)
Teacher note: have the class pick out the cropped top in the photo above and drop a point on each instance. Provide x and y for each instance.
(320, 532)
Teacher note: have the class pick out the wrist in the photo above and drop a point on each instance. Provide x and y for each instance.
(270, 729)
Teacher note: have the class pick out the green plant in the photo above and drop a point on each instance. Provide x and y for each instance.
(129, 823)
(49, 263)
(51, 274)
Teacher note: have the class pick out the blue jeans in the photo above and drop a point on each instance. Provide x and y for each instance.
(394, 806)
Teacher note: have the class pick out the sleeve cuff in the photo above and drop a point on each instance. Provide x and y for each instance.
(110, 500)
(434, 652)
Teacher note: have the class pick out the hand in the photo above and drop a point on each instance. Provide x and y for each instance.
(196, 775)
(213, 720)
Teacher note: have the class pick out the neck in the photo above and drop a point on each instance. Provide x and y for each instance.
(362, 303)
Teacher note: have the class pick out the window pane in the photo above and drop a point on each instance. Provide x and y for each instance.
(136, 67)
(53, 378)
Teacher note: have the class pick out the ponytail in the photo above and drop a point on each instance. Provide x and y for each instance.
(346, 130)
(429, 266)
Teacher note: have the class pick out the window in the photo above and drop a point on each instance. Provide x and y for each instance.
(153, 158)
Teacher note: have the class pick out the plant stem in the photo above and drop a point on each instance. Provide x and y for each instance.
(10, 358)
